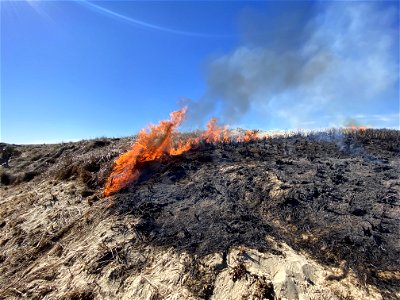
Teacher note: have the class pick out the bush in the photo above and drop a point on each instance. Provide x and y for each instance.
(89, 172)
(9, 179)
(28, 176)
(66, 172)
(6, 178)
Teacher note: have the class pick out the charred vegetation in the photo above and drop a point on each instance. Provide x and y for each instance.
(332, 195)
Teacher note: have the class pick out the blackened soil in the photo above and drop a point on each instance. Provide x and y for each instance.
(336, 199)
(333, 195)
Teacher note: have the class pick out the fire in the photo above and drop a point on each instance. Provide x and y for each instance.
(361, 128)
(249, 135)
(150, 145)
(160, 141)
(353, 125)
(215, 133)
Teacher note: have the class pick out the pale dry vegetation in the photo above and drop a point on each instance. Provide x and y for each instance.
(299, 214)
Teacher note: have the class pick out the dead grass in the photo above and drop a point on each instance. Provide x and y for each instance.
(50, 190)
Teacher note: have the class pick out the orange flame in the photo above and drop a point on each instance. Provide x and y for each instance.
(355, 127)
(159, 141)
(149, 146)
(249, 135)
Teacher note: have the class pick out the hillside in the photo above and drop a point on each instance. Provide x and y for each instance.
(285, 217)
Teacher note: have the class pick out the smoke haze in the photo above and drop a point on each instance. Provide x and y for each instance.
(310, 68)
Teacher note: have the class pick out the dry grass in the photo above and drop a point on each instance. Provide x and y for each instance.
(54, 230)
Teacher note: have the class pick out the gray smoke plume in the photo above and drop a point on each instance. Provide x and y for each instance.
(308, 68)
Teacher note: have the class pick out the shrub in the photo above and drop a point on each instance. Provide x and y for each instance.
(6, 178)
(28, 176)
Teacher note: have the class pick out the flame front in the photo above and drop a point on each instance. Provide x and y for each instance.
(150, 145)
(249, 135)
(356, 127)
(353, 125)
(162, 140)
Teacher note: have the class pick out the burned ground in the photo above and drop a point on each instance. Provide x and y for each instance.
(333, 196)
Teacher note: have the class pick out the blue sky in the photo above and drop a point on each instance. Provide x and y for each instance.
(76, 69)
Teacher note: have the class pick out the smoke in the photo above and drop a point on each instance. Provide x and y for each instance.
(311, 67)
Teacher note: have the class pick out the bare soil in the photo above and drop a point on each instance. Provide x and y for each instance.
(288, 217)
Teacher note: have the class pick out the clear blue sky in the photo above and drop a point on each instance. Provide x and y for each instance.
(76, 69)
